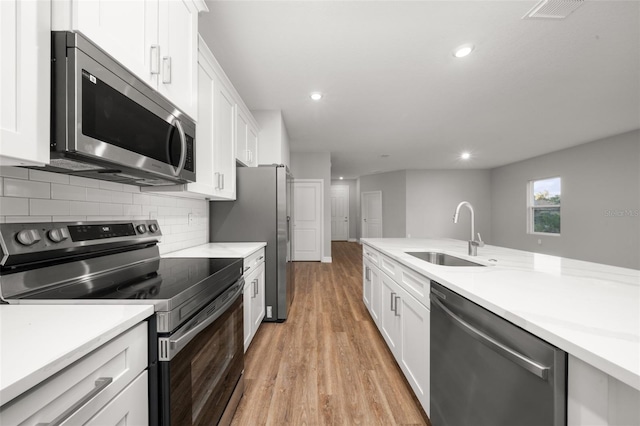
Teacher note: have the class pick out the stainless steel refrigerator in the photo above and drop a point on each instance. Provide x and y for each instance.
(262, 212)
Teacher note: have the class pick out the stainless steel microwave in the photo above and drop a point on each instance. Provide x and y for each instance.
(108, 124)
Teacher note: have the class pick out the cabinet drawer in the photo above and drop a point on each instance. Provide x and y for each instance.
(120, 360)
(415, 284)
(253, 260)
(371, 254)
(128, 408)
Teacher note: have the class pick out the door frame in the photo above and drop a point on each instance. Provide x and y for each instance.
(362, 205)
(348, 206)
(321, 181)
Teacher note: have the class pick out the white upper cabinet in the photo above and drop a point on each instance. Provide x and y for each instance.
(247, 138)
(25, 80)
(157, 40)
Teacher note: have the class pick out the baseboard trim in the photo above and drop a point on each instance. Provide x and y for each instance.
(326, 259)
(353, 240)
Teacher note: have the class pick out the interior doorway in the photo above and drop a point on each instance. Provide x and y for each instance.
(307, 219)
(339, 213)
(371, 206)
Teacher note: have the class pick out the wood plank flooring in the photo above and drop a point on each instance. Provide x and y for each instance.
(327, 364)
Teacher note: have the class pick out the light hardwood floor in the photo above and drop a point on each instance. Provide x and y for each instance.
(327, 364)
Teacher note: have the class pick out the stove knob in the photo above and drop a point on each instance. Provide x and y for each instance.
(141, 229)
(58, 235)
(28, 237)
(153, 228)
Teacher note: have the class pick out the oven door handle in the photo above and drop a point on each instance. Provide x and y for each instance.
(168, 347)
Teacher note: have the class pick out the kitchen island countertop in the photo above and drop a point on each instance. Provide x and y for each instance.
(589, 310)
(37, 341)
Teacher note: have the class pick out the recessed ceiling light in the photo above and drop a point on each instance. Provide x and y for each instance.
(462, 51)
(465, 155)
(341, 178)
(384, 156)
(316, 96)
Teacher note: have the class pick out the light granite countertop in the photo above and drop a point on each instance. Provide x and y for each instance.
(589, 310)
(37, 341)
(236, 250)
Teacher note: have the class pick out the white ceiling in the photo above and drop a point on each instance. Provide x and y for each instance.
(392, 86)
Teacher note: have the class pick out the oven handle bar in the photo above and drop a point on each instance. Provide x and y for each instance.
(168, 347)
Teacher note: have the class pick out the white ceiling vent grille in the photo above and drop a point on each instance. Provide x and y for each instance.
(553, 9)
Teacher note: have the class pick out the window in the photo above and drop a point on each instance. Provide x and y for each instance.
(543, 202)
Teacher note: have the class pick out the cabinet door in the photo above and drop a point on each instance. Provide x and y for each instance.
(224, 141)
(376, 294)
(252, 145)
(178, 35)
(247, 300)
(25, 79)
(366, 283)
(127, 30)
(258, 303)
(414, 361)
(390, 323)
(241, 138)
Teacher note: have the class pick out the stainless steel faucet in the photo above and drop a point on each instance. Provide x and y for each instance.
(473, 243)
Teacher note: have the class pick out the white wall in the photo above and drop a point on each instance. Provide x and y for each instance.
(432, 197)
(353, 196)
(317, 165)
(36, 196)
(598, 178)
(273, 147)
(394, 201)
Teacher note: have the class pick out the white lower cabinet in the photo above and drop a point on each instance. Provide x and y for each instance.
(92, 386)
(403, 321)
(253, 298)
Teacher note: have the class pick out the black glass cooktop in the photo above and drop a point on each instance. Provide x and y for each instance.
(171, 280)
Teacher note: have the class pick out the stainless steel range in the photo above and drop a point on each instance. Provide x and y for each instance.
(196, 334)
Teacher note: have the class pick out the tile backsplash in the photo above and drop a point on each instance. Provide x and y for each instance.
(28, 195)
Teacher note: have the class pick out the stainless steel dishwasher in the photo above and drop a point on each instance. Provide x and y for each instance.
(487, 371)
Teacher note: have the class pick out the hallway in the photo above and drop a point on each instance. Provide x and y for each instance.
(327, 364)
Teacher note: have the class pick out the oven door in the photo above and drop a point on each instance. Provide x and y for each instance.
(202, 362)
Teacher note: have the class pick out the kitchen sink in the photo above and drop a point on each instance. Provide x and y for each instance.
(438, 258)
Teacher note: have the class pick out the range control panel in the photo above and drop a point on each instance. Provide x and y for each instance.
(23, 238)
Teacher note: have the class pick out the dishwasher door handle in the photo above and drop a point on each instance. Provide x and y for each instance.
(511, 354)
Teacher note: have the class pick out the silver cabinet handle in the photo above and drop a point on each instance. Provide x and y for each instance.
(393, 299)
(255, 287)
(222, 179)
(166, 69)
(259, 259)
(367, 273)
(396, 307)
(510, 354)
(218, 180)
(246, 268)
(154, 60)
(100, 385)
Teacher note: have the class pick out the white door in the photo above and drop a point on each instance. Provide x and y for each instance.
(339, 212)
(307, 220)
(372, 214)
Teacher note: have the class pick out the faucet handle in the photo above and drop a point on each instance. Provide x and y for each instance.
(480, 242)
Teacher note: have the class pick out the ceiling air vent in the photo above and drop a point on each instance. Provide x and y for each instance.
(553, 9)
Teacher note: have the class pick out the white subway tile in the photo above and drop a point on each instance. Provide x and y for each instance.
(43, 176)
(1, 186)
(26, 188)
(14, 172)
(28, 219)
(82, 208)
(132, 210)
(48, 207)
(130, 188)
(108, 209)
(69, 218)
(99, 195)
(68, 192)
(143, 199)
(86, 182)
(14, 206)
(111, 186)
(121, 197)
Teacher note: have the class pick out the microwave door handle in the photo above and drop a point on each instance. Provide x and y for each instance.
(183, 151)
